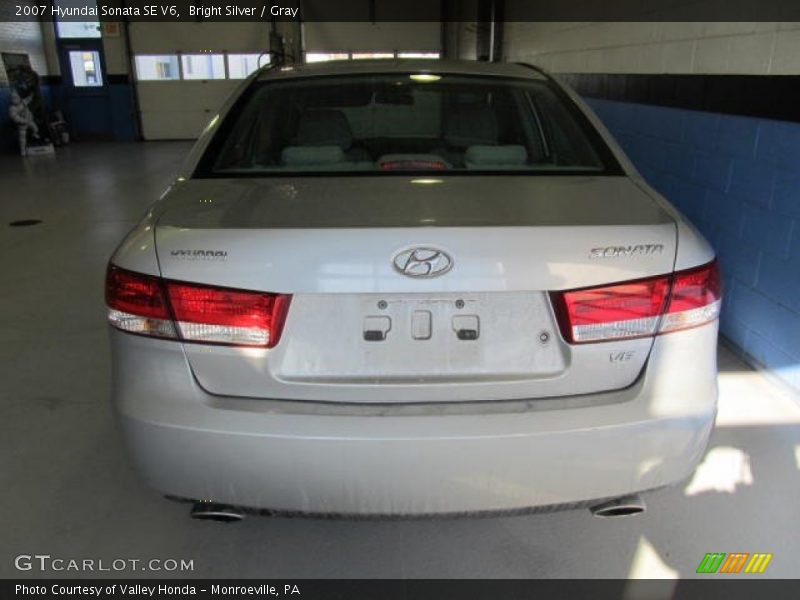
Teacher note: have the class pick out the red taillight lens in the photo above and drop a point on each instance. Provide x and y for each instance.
(613, 312)
(136, 304)
(222, 315)
(639, 308)
(695, 299)
(135, 293)
(145, 304)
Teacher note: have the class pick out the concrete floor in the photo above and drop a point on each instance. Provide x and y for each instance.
(69, 491)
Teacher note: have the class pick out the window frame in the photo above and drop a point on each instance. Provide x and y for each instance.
(188, 56)
(204, 169)
(350, 55)
(179, 56)
(178, 77)
(96, 61)
(258, 56)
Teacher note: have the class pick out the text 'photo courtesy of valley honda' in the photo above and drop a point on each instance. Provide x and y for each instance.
(412, 288)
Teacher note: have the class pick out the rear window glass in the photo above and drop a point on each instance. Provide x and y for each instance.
(401, 123)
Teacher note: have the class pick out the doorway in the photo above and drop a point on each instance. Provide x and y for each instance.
(86, 97)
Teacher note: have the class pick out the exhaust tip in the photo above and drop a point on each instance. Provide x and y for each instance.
(625, 506)
(619, 511)
(209, 511)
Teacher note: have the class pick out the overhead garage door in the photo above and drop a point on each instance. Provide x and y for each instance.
(184, 71)
(175, 110)
(374, 38)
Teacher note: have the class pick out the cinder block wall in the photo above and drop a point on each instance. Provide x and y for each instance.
(21, 37)
(767, 48)
(734, 176)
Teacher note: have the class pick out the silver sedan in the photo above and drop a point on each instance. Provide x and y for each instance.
(412, 288)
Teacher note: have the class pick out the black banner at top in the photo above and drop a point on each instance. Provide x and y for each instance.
(377, 11)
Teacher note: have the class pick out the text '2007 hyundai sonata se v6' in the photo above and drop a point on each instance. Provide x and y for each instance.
(412, 288)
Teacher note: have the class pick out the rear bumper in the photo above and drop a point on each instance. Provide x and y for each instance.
(354, 460)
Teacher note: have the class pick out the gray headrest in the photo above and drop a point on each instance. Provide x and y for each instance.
(495, 156)
(324, 127)
(307, 156)
(471, 125)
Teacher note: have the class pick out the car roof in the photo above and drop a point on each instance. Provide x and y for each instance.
(388, 66)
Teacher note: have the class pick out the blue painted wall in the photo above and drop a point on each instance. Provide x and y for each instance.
(123, 115)
(737, 179)
(8, 134)
(110, 115)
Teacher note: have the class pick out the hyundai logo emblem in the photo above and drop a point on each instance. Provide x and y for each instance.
(422, 261)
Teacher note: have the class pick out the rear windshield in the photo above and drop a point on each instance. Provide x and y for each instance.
(401, 123)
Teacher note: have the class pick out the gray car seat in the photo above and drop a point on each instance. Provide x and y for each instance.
(467, 126)
(471, 126)
(473, 141)
(329, 127)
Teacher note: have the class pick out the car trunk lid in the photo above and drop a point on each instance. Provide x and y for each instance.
(360, 330)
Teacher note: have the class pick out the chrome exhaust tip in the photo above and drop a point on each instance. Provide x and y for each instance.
(209, 511)
(625, 506)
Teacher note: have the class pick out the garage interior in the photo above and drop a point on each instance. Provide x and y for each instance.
(704, 109)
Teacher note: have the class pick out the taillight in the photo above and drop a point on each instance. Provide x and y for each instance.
(644, 307)
(192, 312)
(226, 316)
(695, 298)
(136, 303)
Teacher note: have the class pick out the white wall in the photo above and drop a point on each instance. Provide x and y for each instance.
(21, 37)
(466, 39)
(168, 38)
(114, 50)
(116, 53)
(372, 37)
(657, 47)
(180, 109)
